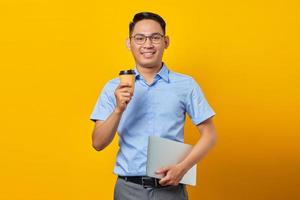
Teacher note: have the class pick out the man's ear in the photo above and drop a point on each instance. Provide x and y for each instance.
(167, 42)
(127, 43)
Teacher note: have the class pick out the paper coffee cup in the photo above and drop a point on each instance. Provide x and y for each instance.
(128, 77)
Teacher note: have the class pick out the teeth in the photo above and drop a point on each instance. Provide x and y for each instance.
(148, 55)
(151, 53)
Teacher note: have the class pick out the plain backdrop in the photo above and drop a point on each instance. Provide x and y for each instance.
(56, 56)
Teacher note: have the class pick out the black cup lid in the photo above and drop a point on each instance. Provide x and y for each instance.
(129, 72)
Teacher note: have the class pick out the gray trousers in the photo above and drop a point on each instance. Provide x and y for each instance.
(125, 190)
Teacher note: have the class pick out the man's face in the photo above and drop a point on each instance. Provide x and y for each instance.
(148, 54)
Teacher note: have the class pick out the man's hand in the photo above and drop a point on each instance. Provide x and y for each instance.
(123, 94)
(172, 174)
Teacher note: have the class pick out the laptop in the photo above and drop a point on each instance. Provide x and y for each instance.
(163, 152)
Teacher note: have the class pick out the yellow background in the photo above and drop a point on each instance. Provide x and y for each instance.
(55, 57)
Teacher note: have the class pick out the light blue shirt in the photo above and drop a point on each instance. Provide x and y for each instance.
(158, 109)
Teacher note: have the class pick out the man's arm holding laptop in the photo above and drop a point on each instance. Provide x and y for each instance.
(174, 173)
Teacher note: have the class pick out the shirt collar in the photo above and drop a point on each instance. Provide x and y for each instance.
(163, 73)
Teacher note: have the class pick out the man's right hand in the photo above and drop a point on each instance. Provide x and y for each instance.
(123, 94)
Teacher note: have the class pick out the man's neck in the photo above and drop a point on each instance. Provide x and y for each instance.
(149, 73)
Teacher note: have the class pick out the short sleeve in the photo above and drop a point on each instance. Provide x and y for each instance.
(197, 106)
(105, 104)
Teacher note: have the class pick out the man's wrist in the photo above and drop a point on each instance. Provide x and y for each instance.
(118, 111)
(184, 167)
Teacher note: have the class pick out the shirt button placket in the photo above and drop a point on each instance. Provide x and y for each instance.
(150, 112)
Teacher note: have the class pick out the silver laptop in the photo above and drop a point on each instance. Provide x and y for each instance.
(163, 152)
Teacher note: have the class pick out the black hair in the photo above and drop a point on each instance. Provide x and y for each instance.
(147, 15)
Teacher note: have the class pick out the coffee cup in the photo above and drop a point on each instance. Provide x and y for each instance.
(128, 77)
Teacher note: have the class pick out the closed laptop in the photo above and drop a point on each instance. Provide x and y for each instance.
(163, 152)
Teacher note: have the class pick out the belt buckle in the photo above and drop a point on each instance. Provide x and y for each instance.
(146, 182)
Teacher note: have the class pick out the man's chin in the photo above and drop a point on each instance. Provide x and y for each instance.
(149, 64)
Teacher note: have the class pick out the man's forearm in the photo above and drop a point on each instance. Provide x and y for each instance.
(104, 132)
(204, 144)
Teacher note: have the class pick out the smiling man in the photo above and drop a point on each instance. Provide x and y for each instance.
(158, 107)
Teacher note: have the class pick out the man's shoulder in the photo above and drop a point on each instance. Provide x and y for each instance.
(111, 84)
(180, 77)
(114, 81)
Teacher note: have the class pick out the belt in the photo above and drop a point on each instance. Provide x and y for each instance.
(145, 181)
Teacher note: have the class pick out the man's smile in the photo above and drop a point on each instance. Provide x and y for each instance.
(148, 54)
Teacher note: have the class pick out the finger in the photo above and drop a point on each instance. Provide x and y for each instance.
(165, 184)
(122, 96)
(122, 85)
(126, 88)
(125, 94)
(124, 103)
(164, 181)
(163, 170)
(125, 100)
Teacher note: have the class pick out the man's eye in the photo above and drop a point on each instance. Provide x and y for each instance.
(156, 37)
(139, 38)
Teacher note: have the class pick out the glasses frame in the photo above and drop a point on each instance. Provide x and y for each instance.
(146, 37)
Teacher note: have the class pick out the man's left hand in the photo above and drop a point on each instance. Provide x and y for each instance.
(173, 174)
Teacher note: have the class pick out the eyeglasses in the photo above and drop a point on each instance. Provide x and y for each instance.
(141, 39)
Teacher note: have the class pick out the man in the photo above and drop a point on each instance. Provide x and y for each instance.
(158, 106)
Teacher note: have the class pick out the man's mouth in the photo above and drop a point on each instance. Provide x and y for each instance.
(148, 54)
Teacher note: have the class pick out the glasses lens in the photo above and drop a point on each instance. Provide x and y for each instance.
(156, 38)
(139, 39)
